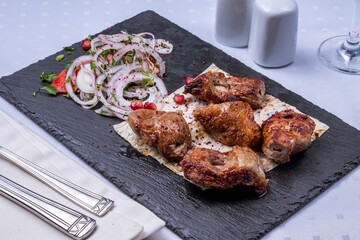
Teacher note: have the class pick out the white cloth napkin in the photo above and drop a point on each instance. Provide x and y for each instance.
(128, 219)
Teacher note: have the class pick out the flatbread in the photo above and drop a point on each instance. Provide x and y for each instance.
(200, 138)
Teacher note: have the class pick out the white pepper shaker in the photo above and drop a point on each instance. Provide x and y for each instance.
(233, 19)
(273, 33)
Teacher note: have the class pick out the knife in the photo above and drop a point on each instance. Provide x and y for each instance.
(69, 221)
(90, 201)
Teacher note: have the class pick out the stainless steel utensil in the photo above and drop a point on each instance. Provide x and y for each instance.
(90, 201)
(71, 222)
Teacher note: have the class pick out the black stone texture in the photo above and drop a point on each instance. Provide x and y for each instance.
(188, 211)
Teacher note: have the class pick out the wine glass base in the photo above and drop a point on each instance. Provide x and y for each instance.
(333, 54)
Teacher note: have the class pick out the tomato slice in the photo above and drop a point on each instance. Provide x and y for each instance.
(59, 82)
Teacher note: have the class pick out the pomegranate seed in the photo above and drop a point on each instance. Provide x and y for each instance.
(137, 104)
(150, 105)
(189, 80)
(86, 44)
(109, 57)
(179, 99)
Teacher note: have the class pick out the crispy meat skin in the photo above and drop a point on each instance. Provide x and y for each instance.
(286, 133)
(168, 131)
(231, 123)
(250, 90)
(213, 169)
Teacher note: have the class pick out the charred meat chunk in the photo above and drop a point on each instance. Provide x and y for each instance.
(215, 87)
(286, 133)
(231, 123)
(168, 131)
(213, 169)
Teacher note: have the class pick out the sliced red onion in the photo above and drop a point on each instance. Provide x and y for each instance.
(106, 83)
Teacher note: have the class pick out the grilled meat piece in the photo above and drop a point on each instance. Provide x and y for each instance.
(286, 133)
(168, 131)
(215, 87)
(231, 123)
(214, 169)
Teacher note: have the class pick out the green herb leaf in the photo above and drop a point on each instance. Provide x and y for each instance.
(60, 58)
(90, 52)
(67, 66)
(68, 48)
(146, 74)
(89, 37)
(66, 95)
(49, 88)
(36, 92)
(113, 96)
(103, 112)
(92, 65)
(48, 76)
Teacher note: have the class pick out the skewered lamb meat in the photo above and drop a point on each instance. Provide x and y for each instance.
(286, 133)
(168, 131)
(215, 87)
(231, 123)
(213, 169)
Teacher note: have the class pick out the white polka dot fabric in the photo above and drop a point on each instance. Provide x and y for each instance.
(32, 30)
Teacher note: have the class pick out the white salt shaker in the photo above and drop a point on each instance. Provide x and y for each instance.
(233, 19)
(273, 33)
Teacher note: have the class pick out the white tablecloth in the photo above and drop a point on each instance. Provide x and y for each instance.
(32, 30)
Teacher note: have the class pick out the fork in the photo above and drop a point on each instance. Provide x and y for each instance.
(88, 200)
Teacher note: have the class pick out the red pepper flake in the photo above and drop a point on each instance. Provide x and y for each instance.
(203, 63)
(92, 143)
(267, 201)
(284, 206)
(236, 62)
(97, 146)
(289, 174)
(207, 49)
(276, 174)
(108, 124)
(285, 196)
(105, 146)
(109, 28)
(180, 45)
(196, 64)
(146, 171)
(317, 163)
(110, 131)
(172, 57)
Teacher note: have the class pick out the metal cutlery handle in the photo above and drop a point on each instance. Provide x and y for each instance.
(71, 222)
(90, 201)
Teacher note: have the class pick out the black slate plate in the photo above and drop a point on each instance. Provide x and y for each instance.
(187, 210)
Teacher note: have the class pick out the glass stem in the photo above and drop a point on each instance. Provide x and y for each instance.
(353, 40)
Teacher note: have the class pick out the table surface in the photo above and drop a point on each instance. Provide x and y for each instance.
(32, 30)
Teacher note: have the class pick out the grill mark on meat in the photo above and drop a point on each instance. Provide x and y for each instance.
(168, 131)
(215, 87)
(238, 167)
(286, 133)
(231, 123)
